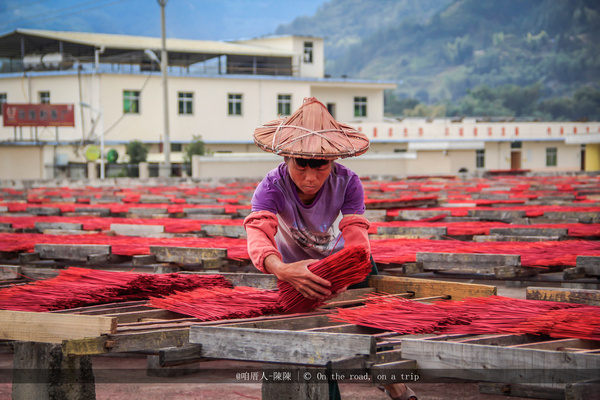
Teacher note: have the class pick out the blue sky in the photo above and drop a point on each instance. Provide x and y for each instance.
(185, 19)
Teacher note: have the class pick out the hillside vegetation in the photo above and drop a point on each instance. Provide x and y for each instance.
(508, 58)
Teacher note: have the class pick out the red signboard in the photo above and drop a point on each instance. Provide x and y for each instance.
(38, 114)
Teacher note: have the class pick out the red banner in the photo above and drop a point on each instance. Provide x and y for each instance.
(38, 114)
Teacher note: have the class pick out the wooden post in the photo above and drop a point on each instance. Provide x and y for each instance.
(42, 372)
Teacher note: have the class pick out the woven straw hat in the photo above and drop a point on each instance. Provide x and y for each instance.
(311, 132)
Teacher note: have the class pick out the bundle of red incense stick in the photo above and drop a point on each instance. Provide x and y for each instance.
(347, 267)
(221, 303)
(480, 315)
(78, 287)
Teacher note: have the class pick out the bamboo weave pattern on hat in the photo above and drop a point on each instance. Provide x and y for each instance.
(311, 132)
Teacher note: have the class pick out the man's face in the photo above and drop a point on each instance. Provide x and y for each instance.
(308, 178)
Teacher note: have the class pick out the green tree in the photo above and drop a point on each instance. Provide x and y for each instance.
(586, 104)
(137, 151)
(520, 100)
(196, 147)
(422, 110)
(395, 107)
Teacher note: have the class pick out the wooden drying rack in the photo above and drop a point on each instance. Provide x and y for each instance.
(310, 342)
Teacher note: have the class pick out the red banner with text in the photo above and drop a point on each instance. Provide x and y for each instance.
(38, 114)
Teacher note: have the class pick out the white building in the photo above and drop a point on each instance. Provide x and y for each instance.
(221, 91)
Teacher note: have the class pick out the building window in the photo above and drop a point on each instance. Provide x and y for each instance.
(360, 106)
(331, 109)
(284, 104)
(516, 144)
(551, 157)
(308, 52)
(44, 97)
(131, 102)
(3, 99)
(480, 158)
(186, 103)
(176, 147)
(235, 104)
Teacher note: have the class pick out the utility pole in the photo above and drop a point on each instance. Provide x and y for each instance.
(164, 63)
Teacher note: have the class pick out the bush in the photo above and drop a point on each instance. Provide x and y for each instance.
(137, 152)
(196, 147)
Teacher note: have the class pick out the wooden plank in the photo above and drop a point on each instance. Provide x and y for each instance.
(147, 341)
(70, 252)
(137, 230)
(586, 390)
(207, 210)
(428, 287)
(356, 363)
(590, 264)
(417, 231)
(560, 345)
(28, 257)
(499, 364)
(213, 263)
(256, 280)
(10, 272)
(356, 299)
(233, 231)
(515, 238)
(186, 255)
(67, 232)
(289, 323)
(560, 232)
(42, 226)
(574, 273)
(135, 316)
(174, 356)
(513, 272)
(502, 265)
(412, 215)
(376, 215)
(582, 216)
(496, 215)
(52, 328)
(44, 211)
(565, 295)
(147, 211)
(306, 348)
(383, 204)
(444, 260)
(100, 211)
(106, 259)
(501, 339)
(143, 259)
(345, 328)
(39, 273)
(208, 217)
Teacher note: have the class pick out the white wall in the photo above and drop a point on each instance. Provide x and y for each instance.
(17, 162)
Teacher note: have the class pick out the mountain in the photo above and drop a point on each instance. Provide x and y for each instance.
(346, 23)
(440, 51)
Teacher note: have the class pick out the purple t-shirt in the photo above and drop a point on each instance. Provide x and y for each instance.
(309, 231)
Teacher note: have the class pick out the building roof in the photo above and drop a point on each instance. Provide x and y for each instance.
(125, 48)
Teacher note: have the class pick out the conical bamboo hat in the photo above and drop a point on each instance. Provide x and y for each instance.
(311, 132)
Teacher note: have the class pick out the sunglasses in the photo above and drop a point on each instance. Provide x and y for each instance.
(310, 163)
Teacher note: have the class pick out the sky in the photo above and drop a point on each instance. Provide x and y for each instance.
(185, 19)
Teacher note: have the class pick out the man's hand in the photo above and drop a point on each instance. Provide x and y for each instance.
(298, 275)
